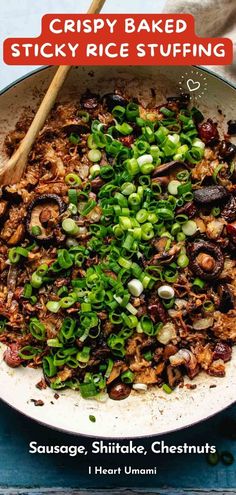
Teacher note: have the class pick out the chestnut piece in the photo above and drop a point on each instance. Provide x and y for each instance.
(208, 132)
(119, 391)
(206, 259)
(209, 195)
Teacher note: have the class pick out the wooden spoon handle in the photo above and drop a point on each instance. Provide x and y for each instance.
(14, 168)
(96, 6)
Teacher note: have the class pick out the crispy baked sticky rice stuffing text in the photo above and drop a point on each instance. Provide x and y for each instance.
(117, 250)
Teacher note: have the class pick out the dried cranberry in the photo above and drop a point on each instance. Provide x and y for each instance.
(231, 127)
(11, 356)
(231, 231)
(127, 140)
(222, 351)
(111, 100)
(208, 132)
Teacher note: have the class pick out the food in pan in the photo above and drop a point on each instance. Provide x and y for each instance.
(117, 247)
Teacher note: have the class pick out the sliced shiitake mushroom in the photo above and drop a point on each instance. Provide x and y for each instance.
(3, 208)
(226, 298)
(210, 195)
(76, 126)
(206, 259)
(44, 212)
(111, 100)
(17, 236)
(188, 359)
(166, 167)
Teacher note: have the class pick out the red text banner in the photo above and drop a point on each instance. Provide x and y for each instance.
(82, 39)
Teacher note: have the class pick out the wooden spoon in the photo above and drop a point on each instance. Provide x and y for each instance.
(13, 170)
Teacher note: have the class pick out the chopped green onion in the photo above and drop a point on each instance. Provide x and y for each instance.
(208, 306)
(37, 329)
(198, 283)
(183, 260)
(173, 187)
(189, 228)
(94, 155)
(95, 170)
(64, 258)
(135, 287)
(69, 226)
(215, 211)
(36, 280)
(29, 352)
(127, 377)
(166, 388)
(119, 112)
(73, 138)
(124, 128)
(53, 306)
(166, 292)
(16, 253)
(73, 197)
(48, 366)
(36, 230)
(73, 180)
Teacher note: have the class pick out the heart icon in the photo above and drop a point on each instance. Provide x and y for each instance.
(193, 85)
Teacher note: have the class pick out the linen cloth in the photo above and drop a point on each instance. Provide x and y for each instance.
(212, 18)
